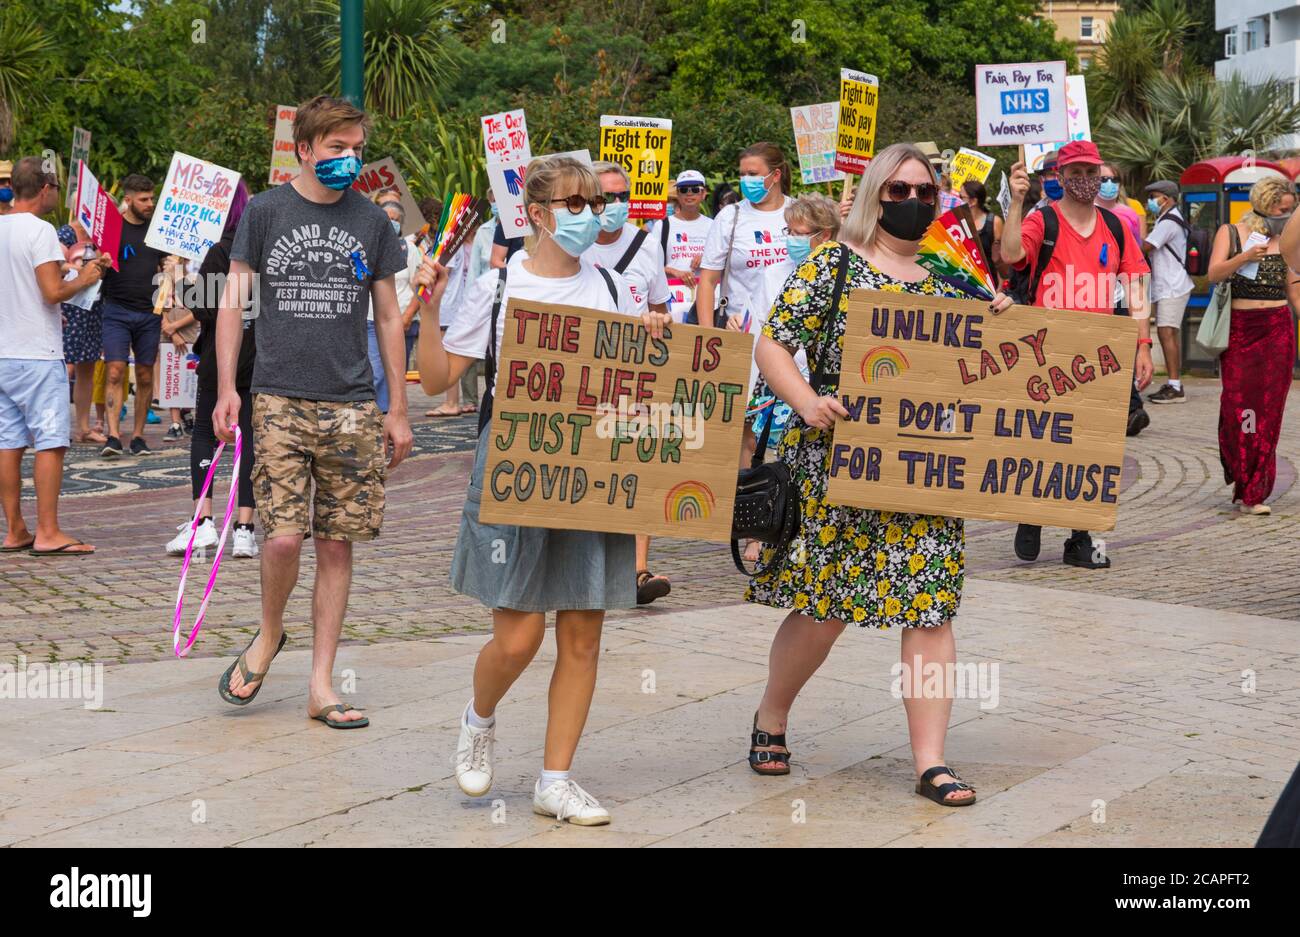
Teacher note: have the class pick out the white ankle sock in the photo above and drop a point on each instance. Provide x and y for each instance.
(476, 721)
(550, 777)
(1176, 385)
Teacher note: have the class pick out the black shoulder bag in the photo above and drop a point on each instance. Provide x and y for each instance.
(767, 504)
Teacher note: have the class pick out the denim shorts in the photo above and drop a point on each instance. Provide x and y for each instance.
(126, 330)
(33, 404)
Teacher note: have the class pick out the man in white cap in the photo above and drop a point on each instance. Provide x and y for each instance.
(1171, 287)
(682, 233)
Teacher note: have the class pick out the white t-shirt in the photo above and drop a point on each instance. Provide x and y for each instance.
(1168, 274)
(645, 274)
(457, 286)
(685, 239)
(402, 279)
(30, 327)
(468, 335)
(761, 302)
(760, 243)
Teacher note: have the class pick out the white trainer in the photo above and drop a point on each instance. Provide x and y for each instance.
(473, 759)
(565, 800)
(204, 537)
(245, 544)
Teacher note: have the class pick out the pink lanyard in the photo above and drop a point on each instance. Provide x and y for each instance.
(221, 544)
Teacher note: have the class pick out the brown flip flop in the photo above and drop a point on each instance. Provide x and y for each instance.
(64, 550)
(21, 548)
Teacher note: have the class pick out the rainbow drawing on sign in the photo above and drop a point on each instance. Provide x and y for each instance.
(688, 501)
(881, 362)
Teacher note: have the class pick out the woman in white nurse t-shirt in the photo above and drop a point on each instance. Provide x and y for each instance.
(759, 234)
(521, 573)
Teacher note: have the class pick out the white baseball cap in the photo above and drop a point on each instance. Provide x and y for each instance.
(690, 177)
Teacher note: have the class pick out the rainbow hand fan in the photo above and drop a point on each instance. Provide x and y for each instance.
(460, 215)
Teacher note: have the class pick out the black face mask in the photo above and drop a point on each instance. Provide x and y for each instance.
(906, 220)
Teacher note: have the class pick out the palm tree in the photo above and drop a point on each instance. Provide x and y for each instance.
(406, 50)
(26, 54)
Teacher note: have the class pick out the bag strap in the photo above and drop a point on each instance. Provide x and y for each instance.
(841, 275)
(663, 236)
(626, 260)
(609, 284)
(1234, 241)
(726, 268)
(1051, 230)
(1116, 228)
(490, 367)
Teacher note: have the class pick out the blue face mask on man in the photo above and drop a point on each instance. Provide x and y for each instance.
(338, 172)
(1153, 206)
(1053, 189)
(613, 217)
(6, 193)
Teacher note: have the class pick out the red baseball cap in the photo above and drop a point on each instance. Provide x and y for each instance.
(1078, 151)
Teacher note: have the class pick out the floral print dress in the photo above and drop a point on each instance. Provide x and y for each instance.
(873, 568)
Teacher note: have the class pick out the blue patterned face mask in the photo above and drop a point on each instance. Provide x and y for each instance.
(338, 172)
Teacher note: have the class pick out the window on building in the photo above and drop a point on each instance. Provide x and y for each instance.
(1256, 36)
(1085, 27)
(1230, 43)
(1085, 61)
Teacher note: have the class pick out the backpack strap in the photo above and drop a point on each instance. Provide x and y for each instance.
(609, 284)
(626, 260)
(1051, 230)
(663, 236)
(1116, 228)
(490, 367)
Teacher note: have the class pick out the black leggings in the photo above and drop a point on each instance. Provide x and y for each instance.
(204, 443)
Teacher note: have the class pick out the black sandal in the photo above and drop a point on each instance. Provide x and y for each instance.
(650, 587)
(939, 792)
(760, 739)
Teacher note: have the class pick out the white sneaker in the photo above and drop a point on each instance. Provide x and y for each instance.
(565, 800)
(204, 537)
(245, 543)
(473, 759)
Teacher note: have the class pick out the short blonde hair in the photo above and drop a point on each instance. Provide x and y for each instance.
(546, 174)
(602, 166)
(859, 229)
(815, 210)
(1265, 195)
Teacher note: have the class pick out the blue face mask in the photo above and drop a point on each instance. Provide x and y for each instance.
(1153, 206)
(753, 189)
(6, 194)
(799, 246)
(613, 217)
(1052, 189)
(1109, 190)
(496, 212)
(397, 225)
(576, 233)
(672, 209)
(338, 172)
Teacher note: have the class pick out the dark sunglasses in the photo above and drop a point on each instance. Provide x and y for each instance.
(899, 191)
(1109, 179)
(576, 203)
(690, 189)
(617, 196)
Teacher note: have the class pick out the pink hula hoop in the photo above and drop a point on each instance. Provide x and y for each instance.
(221, 545)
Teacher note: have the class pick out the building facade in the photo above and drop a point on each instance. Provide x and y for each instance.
(1261, 39)
(1081, 22)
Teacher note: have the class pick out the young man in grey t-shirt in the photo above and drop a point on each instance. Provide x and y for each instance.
(320, 252)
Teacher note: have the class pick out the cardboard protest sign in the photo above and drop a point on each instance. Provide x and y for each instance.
(508, 150)
(640, 145)
(384, 174)
(80, 153)
(284, 157)
(178, 376)
(98, 214)
(1078, 125)
(815, 130)
(192, 211)
(968, 165)
(855, 138)
(1022, 103)
(597, 426)
(955, 411)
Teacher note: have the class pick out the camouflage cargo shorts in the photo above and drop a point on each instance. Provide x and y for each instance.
(335, 448)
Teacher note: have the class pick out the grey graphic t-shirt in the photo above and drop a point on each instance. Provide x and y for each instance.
(315, 264)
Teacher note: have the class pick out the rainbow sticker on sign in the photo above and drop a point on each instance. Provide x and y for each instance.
(881, 362)
(688, 501)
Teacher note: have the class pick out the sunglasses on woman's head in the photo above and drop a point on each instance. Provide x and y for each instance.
(576, 203)
(899, 191)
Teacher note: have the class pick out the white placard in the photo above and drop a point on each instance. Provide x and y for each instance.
(192, 207)
(1020, 103)
(178, 376)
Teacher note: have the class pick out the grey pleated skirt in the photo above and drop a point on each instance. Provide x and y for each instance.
(535, 569)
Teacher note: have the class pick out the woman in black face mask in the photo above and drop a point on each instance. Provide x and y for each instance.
(874, 568)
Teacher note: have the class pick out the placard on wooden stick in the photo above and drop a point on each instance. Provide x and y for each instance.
(955, 411)
(598, 426)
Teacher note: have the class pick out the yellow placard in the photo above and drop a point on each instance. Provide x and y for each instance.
(955, 411)
(855, 138)
(970, 164)
(640, 145)
(598, 426)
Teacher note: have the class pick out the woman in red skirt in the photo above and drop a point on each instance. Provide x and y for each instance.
(1256, 367)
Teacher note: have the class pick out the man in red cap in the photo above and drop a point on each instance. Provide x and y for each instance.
(1080, 256)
